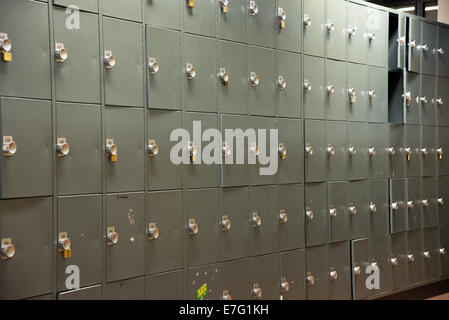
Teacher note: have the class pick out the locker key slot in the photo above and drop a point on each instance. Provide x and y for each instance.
(254, 79)
(226, 150)
(372, 151)
(333, 212)
(109, 60)
(253, 8)
(64, 244)
(357, 270)
(193, 227)
(282, 150)
(153, 148)
(190, 71)
(427, 254)
(371, 36)
(330, 27)
(192, 150)
(153, 65)
(330, 89)
(226, 295)
(372, 207)
(352, 210)
(309, 214)
(224, 76)
(408, 98)
(424, 152)
(391, 151)
(440, 201)
(61, 53)
(411, 258)
(225, 223)
(191, 3)
(307, 21)
(394, 261)
(256, 291)
(372, 94)
(9, 146)
(224, 5)
(8, 250)
(439, 101)
(333, 274)
(442, 251)
(283, 217)
(62, 147)
(282, 15)
(5, 47)
(285, 286)
(440, 153)
(307, 86)
(425, 203)
(310, 279)
(153, 231)
(256, 220)
(282, 83)
(111, 150)
(111, 236)
(309, 150)
(352, 93)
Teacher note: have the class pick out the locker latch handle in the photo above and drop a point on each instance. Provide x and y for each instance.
(442, 251)
(193, 227)
(224, 5)
(256, 220)
(352, 95)
(62, 147)
(9, 146)
(424, 47)
(330, 89)
(309, 150)
(330, 27)
(307, 21)
(283, 217)
(256, 291)
(253, 8)
(423, 100)
(64, 244)
(357, 270)
(309, 214)
(109, 60)
(153, 65)
(352, 210)
(408, 153)
(282, 150)
(440, 201)
(307, 86)
(153, 148)
(394, 261)
(61, 53)
(254, 79)
(408, 98)
(412, 44)
(310, 279)
(8, 250)
(282, 15)
(391, 151)
(282, 83)
(5, 47)
(254, 150)
(439, 101)
(427, 254)
(424, 152)
(226, 149)
(192, 150)
(333, 274)
(190, 71)
(352, 31)
(372, 207)
(225, 223)
(352, 150)
(411, 257)
(401, 40)
(410, 204)
(372, 94)
(425, 203)
(153, 231)
(440, 153)
(440, 51)
(224, 76)
(333, 212)
(285, 286)
(371, 36)
(111, 236)
(111, 150)
(394, 205)
(226, 295)
(375, 265)
(372, 151)
(330, 151)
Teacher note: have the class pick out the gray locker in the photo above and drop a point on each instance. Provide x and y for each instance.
(398, 260)
(202, 228)
(357, 92)
(379, 258)
(291, 168)
(235, 235)
(313, 26)
(442, 150)
(336, 29)
(233, 22)
(428, 48)
(316, 211)
(289, 34)
(235, 280)
(131, 10)
(264, 220)
(427, 99)
(166, 286)
(444, 257)
(164, 231)
(316, 156)
(314, 88)
(415, 256)
(442, 99)
(336, 99)
(443, 200)
(378, 206)
(414, 204)
(398, 208)
(358, 209)
(86, 5)
(377, 37)
(204, 283)
(200, 69)
(357, 33)
(291, 217)
(340, 271)
(125, 127)
(80, 218)
(317, 273)
(163, 174)
(125, 236)
(26, 166)
(360, 261)
(357, 151)
(262, 22)
(411, 97)
(26, 23)
(124, 80)
(200, 19)
(428, 147)
(162, 13)
(27, 224)
(429, 202)
(293, 275)
(338, 211)
(378, 94)
(431, 252)
(262, 82)
(289, 83)
(414, 50)
(376, 146)
(402, 45)
(396, 156)
(132, 289)
(234, 92)
(164, 68)
(265, 277)
(442, 55)
(412, 153)
(336, 150)
(89, 293)
(79, 172)
(78, 77)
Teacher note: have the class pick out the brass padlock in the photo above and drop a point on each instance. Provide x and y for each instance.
(225, 9)
(67, 253)
(282, 24)
(191, 3)
(113, 158)
(7, 56)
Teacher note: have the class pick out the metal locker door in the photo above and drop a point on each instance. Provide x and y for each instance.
(442, 148)
(233, 20)
(340, 271)
(264, 220)
(27, 160)
(313, 26)
(428, 48)
(398, 206)
(291, 165)
(377, 94)
(358, 209)
(377, 23)
(201, 175)
(235, 280)
(402, 45)
(172, 284)
(411, 96)
(86, 5)
(293, 275)
(443, 251)
(360, 261)
(376, 150)
(398, 260)
(235, 235)
(132, 289)
(316, 157)
(26, 23)
(336, 150)
(317, 273)
(262, 82)
(200, 74)
(338, 211)
(289, 34)
(317, 218)
(414, 206)
(379, 259)
(357, 33)
(26, 225)
(442, 100)
(77, 77)
(431, 252)
(427, 100)
(89, 293)
(164, 231)
(125, 127)
(162, 13)
(200, 18)
(429, 202)
(257, 178)
(414, 257)
(314, 91)
(164, 68)
(203, 227)
(443, 201)
(357, 92)
(378, 206)
(131, 10)
(204, 283)
(357, 151)
(336, 29)
(80, 218)
(262, 20)
(443, 51)
(125, 236)
(336, 100)
(428, 147)
(237, 173)
(414, 50)
(123, 63)
(291, 217)
(163, 174)
(396, 157)
(412, 152)
(234, 92)
(79, 172)
(289, 83)
(265, 277)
